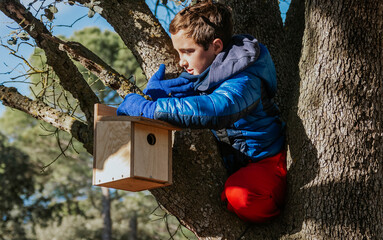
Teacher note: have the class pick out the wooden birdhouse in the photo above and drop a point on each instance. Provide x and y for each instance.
(131, 153)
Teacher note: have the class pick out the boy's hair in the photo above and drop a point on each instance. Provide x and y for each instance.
(204, 22)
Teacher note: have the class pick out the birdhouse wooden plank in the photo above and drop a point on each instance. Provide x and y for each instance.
(131, 153)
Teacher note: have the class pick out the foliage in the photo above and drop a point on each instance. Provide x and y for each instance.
(138, 205)
(56, 189)
(62, 201)
(17, 186)
(108, 46)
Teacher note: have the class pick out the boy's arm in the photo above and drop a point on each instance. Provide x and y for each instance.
(157, 87)
(231, 101)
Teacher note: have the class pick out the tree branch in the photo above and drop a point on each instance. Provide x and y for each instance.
(39, 110)
(146, 38)
(70, 77)
(98, 67)
(294, 28)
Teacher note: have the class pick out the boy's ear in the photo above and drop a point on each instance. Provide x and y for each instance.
(217, 45)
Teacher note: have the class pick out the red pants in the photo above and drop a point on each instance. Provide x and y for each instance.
(256, 192)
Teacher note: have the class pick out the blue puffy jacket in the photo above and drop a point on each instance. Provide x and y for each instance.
(235, 100)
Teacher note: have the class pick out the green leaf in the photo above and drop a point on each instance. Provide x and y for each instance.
(48, 14)
(91, 13)
(97, 9)
(88, 5)
(23, 36)
(12, 41)
(2, 168)
(53, 9)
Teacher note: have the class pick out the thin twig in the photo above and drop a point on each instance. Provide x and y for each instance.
(72, 23)
(12, 69)
(57, 132)
(156, 7)
(168, 229)
(26, 74)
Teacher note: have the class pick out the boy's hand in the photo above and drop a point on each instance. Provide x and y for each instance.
(136, 105)
(157, 87)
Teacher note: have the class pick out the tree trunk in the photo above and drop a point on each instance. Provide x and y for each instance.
(335, 135)
(107, 221)
(133, 226)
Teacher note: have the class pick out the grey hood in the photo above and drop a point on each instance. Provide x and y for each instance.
(242, 51)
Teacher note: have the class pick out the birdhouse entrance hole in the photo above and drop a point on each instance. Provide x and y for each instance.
(151, 139)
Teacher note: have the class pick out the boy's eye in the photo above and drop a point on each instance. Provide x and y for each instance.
(187, 51)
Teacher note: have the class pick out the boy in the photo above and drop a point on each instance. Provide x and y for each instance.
(228, 85)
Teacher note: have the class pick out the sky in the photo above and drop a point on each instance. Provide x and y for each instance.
(63, 24)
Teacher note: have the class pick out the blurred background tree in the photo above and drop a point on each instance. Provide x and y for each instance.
(47, 174)
(17, 187)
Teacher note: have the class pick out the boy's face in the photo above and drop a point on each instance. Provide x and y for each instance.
(193, 57)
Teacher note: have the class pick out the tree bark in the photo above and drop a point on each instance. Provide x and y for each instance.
(329, 64)
(10, 97)
(336, 140)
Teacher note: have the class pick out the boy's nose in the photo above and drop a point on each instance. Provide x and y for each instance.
(183, 63)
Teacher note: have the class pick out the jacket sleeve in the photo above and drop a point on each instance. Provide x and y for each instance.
(232, 100)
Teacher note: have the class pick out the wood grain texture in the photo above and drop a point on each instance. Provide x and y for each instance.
(113, 151)
(104, 110)
(107, 113)
(142, 120)
(133, 184)
(151, 161)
